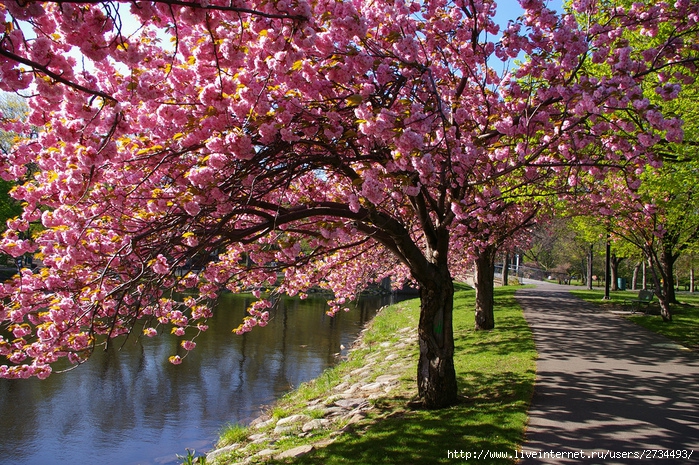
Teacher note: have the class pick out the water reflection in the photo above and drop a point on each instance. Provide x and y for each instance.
(128, 405)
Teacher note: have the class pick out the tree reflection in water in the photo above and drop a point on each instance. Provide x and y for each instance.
(129, 405)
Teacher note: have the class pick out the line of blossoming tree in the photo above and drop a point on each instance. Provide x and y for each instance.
(230, 145)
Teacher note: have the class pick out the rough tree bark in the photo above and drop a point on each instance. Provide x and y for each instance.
(483, 281)
(436, 377)
(634, 279)
(661, 291)
(615, 262)
(429, 267)
(663, 286)
(667, 264)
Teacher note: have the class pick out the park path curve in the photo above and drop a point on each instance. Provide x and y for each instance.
(606, 384)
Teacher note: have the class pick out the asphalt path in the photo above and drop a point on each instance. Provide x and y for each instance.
(607, 391)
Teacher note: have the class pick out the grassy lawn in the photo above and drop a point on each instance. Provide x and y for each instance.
(684, 327)
(496, 372)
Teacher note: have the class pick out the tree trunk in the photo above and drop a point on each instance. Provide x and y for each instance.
(436, 377)
(667, 264)
(691, 279)
(506, 270)
(615, 262)
(589, 268)
(645, 276)
(634, 279)
(662, 293)
(661, 287)
(484, 283)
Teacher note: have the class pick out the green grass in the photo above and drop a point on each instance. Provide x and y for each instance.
(684, 327)
(496, 372)
(596, 296)
(234, 433)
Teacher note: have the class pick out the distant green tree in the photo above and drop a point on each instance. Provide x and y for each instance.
(12, 108)
(667, 225)
(563, 244)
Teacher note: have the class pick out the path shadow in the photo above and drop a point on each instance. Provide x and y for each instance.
(605, 384)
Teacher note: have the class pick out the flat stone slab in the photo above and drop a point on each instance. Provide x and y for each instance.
(295, 452)
(351, 403)
(361, 371)
(333, 411)
(293, 419)
(372, 387)
(266, 452)
(354, 419)
(386, 378)
(315, 424)
(284, 429)
(218, 452)
(264, 424)
(342, 386)
(352, 389)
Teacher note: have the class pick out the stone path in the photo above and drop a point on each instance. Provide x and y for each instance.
(605, 384)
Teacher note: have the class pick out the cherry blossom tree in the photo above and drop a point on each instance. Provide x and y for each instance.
(505, 228)
(232, 145)
(660, 217)
(664, 223)
(672, 191)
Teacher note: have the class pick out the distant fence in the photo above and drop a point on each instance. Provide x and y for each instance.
(522, 271)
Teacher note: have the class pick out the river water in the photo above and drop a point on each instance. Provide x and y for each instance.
(129, 405)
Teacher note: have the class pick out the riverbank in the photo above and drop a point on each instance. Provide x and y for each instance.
(357, 412)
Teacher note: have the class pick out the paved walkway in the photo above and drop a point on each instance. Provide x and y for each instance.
(605, 384)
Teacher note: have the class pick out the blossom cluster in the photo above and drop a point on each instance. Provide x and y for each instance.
(230, 145)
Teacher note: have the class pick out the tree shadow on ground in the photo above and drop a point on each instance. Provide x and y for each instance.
(476, 424)
(489, 418)
(606, 384)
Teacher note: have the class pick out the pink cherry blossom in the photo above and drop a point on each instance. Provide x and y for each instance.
(304, 144)
(150, 332)
(188, 345)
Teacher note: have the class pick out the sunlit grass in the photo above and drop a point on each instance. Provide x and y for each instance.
(496, 372)
(234, 433)
(684, 327)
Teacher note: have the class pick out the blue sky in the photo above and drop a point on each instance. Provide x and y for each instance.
(510, 9)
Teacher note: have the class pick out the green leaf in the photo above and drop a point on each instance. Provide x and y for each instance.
(354, 100)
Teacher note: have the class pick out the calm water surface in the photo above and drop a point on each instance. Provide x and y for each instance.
(129, 405)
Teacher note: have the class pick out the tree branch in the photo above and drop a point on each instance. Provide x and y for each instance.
(198, 5)
(57, 77)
